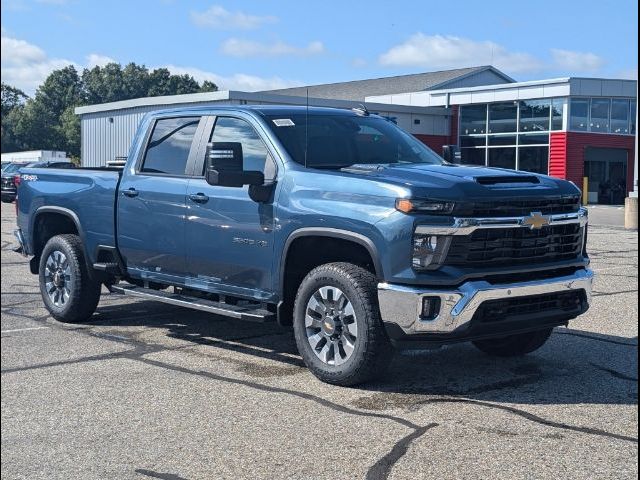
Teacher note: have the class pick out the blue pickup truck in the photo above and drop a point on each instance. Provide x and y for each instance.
(336, 222)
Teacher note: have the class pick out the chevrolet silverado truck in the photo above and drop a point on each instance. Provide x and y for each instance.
(336, 222)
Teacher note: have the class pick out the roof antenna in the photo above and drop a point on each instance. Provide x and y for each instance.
(361, 110)
(306, 130)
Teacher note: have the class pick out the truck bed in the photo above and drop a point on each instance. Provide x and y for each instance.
(88, 194)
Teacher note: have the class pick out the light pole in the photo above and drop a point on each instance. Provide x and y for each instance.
(631, 203)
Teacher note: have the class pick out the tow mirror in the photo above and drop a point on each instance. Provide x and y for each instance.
(224, 166)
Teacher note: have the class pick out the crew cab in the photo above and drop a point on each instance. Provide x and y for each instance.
(336, 222)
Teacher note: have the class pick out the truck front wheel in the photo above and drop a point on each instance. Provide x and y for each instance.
(514, 345)
(68, 291)
(337, 325)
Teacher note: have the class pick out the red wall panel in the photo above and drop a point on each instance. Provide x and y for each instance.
(434, 142)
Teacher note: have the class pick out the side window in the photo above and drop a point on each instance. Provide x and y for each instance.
(169, 145)
(254, 152)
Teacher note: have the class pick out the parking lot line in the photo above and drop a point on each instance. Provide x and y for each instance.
(22, 329)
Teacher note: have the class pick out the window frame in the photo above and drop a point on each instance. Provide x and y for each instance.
(198, 165)
(147, 140)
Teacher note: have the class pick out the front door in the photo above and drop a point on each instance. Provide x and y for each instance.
(229, 235)
(152, 203)
(606, 169)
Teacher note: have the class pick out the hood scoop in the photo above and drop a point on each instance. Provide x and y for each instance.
(510, 179)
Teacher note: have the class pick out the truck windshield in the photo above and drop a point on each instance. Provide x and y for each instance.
(340, 141)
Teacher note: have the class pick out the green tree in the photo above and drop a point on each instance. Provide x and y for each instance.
(13, 100)
(208, 86)
(48, 121)
(69, 130)
(61, 89)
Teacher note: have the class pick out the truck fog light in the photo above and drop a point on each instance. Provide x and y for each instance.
(430, 308)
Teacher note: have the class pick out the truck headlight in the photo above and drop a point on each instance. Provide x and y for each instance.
(429, 251)
(412, 205)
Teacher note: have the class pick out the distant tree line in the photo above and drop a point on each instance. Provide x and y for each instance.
(48, 122)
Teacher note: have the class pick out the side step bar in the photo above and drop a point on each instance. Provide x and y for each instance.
(250, 312)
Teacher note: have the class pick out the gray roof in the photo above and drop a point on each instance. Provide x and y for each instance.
(359, 89)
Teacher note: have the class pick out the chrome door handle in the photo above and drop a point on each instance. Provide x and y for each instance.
(131, 192)
(199, 198)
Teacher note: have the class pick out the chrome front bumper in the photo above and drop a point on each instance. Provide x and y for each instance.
(402, 305)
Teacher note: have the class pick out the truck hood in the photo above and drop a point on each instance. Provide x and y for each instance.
(451, 182)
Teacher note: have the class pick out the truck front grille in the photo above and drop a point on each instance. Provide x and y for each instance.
(518, 207)
(486, 248)
(569, 303)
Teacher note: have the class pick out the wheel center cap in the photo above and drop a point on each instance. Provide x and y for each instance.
(329, 326)
(58, 281)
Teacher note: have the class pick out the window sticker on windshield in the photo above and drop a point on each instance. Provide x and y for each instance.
(284, 122)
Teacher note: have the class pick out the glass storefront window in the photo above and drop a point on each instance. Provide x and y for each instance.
(579, 114)
(533, 139)
(473, 156)
(502, 140)
(599, 114)
(479, 141)
(619, 116)
(534, 159)
(502, 157)
(534, 115)
(473, 119)
(557, 108)
(503, 117)
(632, 117)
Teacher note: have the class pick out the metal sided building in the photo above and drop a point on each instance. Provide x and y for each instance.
(107, 129)
(569, 128)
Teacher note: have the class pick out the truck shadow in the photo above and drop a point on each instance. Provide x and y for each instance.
(574, 367)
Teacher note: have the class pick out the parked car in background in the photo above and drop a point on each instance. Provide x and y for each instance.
(11, 175)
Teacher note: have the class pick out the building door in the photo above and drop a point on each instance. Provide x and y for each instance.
(606, 169)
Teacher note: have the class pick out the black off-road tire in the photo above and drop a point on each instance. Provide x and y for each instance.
(514, 345)
(373, 351)
(84, 291)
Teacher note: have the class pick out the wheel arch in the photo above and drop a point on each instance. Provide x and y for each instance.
(49, 221)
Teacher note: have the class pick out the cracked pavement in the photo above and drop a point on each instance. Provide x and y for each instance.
(146, 390)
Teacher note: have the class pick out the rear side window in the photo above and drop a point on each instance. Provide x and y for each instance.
(168, 148)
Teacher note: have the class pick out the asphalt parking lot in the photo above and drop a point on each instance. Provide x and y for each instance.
(147, 390)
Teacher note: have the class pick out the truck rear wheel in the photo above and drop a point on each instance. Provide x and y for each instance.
(68, 291)
(337, 325)
(514, 345)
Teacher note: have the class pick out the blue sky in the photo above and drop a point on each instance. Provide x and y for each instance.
(255, 45)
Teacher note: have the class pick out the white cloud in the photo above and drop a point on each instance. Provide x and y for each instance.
(218, 17)
(236, 47)
(238, 81)
(576, 61)
(97, 60)
(25, 65)
(445, 51)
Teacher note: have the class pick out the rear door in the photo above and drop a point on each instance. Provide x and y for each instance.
(229, 235)
(152, 202)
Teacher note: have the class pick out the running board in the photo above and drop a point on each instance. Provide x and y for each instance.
(250, 312)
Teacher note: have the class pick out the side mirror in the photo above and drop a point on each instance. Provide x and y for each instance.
(452, 154)
(224, 166)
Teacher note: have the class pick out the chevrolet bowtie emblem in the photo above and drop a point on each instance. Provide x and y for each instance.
(536, 221)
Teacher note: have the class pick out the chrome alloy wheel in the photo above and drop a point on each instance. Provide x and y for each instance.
(58, 278)
(330, 324)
